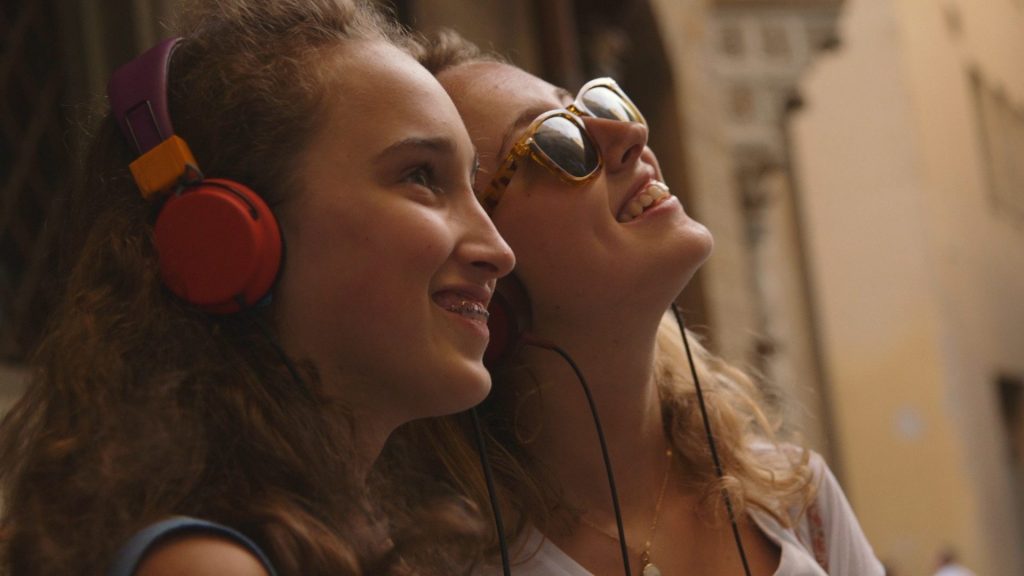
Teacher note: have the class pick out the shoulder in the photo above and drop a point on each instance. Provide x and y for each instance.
(830, 495)
(834, 528)
(787, 456)
(953, 570)
(189, 546)
(827, 528)
(771, 449)
(200, 555)
(535, 555)
(827, 495)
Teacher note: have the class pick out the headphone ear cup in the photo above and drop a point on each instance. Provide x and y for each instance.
(509, 319)
(219, 246)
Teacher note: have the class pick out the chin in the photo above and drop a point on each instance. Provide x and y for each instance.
(463, 390)
(700, 236)
(697, 247)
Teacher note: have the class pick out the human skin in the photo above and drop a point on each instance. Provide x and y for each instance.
(390, 259)
(568, 237)
(389, 262)
(598, 288)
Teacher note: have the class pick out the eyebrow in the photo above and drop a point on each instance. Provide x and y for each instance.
(436, 144)
(529, 115)
(523, 120)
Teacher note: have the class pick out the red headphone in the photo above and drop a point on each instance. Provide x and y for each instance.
(218, 243)
(508, 322)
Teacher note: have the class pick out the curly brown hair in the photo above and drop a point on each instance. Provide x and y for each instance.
(776, 481)
(141, 407)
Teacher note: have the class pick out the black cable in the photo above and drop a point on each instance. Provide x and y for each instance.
(711, 441)
(485, 463)
(607, 460)
(600, 435)
(254, 319)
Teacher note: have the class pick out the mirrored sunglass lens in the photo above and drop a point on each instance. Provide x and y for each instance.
(567, 146)
(605, 103)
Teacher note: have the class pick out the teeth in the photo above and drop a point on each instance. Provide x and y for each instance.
(469, 308)
(650, 196)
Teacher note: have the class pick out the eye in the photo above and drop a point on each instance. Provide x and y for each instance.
(475, 170)
(423, 175)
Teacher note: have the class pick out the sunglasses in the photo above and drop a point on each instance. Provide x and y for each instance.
(559, 141)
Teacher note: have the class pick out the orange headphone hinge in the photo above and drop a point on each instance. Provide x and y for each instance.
(163, 167)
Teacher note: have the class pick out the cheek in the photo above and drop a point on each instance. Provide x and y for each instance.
(361, 265)
(417, 243)
(397, 269)
(547, 264)
(398, 256)
(549, 233)
(354, 297)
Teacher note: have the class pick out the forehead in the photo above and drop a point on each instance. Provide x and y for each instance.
(380, 91)
(494, 99)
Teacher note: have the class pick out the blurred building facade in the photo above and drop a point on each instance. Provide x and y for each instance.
(859, 163)
(55, 61)
(760, 50)
(910, 157)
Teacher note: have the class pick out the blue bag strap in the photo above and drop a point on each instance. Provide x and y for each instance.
(127, 559)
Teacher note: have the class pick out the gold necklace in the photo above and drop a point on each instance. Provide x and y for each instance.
(648, 568)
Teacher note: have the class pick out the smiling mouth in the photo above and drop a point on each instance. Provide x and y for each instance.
(653, 194)
(470, 309)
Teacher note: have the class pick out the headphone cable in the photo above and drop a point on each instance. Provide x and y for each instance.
(711, 440)
(530, 340)
(533, 341)
(252, 315)
(485, 463)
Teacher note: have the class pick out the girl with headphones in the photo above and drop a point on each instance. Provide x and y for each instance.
(603, 249)
(273, 258)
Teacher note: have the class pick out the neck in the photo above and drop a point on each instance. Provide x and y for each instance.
(616, 356)
(371, 428)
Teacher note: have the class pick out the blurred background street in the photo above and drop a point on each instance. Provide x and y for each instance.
(859, 162)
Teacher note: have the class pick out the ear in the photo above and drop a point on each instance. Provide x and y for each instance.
(219, 246)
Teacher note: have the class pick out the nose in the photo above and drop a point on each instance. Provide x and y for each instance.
(483, 247)
(621, 143)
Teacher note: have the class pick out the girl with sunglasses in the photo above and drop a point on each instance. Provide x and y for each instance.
(169, 430)
(603, 249)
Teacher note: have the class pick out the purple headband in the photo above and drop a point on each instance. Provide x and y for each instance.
(138, 97)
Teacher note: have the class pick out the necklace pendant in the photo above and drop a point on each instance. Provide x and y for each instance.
(651, 570)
